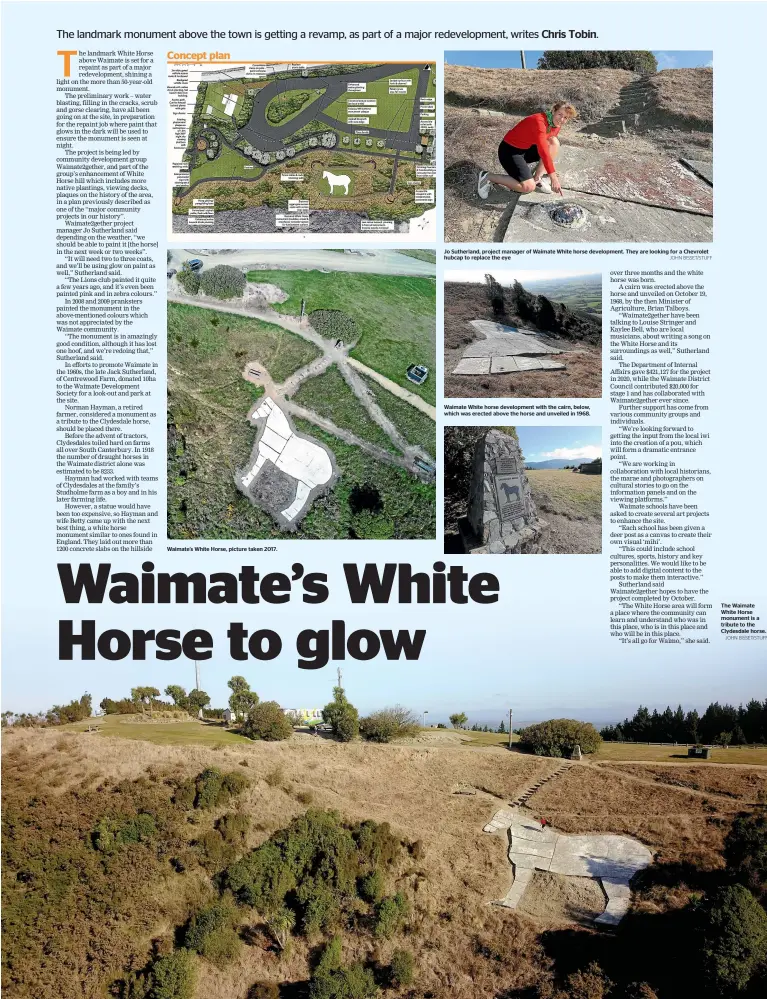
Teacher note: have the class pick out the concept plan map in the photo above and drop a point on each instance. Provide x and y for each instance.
(287, 148)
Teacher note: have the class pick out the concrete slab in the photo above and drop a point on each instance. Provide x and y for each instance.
(493, 330)
(514, 895)
(611, 860)
(609, 221)
(513, 365)
(703, 168)
(508, 347)
(473, 366)
(652, 180)
(538, 364)
(535, 850)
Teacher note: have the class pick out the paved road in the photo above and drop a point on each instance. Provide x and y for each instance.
(262, 134)
(382, 262)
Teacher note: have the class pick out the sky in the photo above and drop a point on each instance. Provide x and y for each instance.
(507, 278)
(572, 443)
(512, 60)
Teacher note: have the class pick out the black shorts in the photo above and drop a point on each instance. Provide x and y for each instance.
(516, 162)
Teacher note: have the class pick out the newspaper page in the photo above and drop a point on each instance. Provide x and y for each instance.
(381, 618)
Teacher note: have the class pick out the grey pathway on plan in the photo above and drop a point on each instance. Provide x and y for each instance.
(263, 135)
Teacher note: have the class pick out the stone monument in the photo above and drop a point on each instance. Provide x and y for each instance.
(576, 753)
(502, 515)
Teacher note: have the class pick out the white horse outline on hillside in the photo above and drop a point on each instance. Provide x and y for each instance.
(336, 180)
(301, 459)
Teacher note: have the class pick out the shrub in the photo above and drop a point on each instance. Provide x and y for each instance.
(458, 720)
(633, 61)
(185, 794)
(311, 869)
(390, 915)
(267, 721)
(275, 777)
(211, 933)
(189, 280)
(342, 716)
(745, 850)
(334, 325)
(223, 281)
(372, 887)
(233, 827)
(264, 990)
(388, 724)
(401, 968)
(212, 788)
(733, 938)
(559, 737)
(355, 982)
(110, 834)
(330, 958)
(173, 977)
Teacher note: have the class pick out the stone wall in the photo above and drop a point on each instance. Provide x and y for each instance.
(502, 516)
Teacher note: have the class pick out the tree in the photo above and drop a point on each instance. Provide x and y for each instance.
(502, 727)
(495, 294)
(388, 724)
(458, 720)
(242, 698)
(267, 721)
(177, 695)
(342, 716)
(144, 695)
(733, 932)
(633, 61)
(745, 850)
(197, 700)
(559, 737)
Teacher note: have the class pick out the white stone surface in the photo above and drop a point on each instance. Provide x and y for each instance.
(611, 860)
(301, 459)
(472, 366)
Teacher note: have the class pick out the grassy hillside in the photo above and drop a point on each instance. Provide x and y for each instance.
(111, 848)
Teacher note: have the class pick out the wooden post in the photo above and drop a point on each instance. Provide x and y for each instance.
(510, 716)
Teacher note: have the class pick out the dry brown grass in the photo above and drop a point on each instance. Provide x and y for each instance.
(463, 948)
(517, 91)
(582, 379)
(738, 783)
(679, 825)
(684, 97)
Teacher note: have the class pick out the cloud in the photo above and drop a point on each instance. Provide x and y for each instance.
(575, 453)
(666, 60)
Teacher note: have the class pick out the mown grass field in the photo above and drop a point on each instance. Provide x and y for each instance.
(330, 396)
(394, 111)
(416, 427)
(161, 733)
(625, 751)
(214, 98)
(395, 315)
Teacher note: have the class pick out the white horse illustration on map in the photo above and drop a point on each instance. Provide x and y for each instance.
(301, 459)
(336, 180)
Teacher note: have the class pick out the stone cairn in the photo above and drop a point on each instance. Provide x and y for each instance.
(501, 516)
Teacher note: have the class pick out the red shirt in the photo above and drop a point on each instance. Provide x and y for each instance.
(533, 131)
